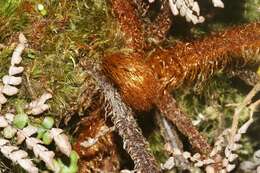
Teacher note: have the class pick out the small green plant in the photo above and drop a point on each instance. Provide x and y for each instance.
(7, 7)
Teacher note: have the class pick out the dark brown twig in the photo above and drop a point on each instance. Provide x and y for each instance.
(167, 105)
(159, 28)
(122, 117)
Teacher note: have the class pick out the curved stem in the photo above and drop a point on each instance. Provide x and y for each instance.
(237, 47)
(167, 105)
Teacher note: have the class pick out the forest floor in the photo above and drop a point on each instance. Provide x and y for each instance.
(62, 33)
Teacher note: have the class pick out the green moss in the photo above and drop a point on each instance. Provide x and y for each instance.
(7, 7)
(252, 10)
(4, 61)
(157, 146)
(58, 40)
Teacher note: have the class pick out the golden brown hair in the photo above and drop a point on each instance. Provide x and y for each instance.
(135, 80)
(141, 82)
(186, 62)
(129, 22)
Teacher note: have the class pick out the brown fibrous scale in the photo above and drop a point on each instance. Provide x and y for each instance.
(186, 62)
(103, 153)
(91, 125)
(134, 78)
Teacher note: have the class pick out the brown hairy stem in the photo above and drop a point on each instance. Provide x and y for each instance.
(142, 84)
(140, 90)
(130, 23)
(187, 62)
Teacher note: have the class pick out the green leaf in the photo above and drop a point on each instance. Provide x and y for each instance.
(21, 120)
(48, 122)
(46, 138)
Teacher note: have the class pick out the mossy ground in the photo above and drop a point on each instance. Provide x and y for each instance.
(67, 31)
